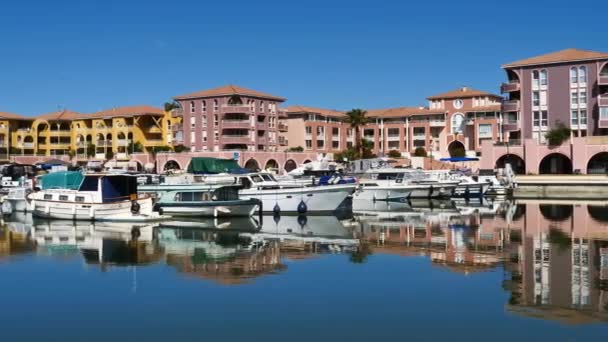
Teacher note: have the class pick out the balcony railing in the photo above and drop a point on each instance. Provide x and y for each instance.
(235, 139)
(100, 156)
(419, 136)
(510, 87)
(603, 100)
(510, 106)
(512, 142)
(103, 143)
(236, 124)
(395, 137)
(123, 142)
(602, 80)
(511, 126)
(236, 109)
(282, 127)
(26, 145)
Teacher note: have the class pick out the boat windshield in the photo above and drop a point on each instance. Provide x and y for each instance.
(267, 177)
(257, 178)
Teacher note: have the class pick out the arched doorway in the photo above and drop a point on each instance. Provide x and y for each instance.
(252, 164)
(556, 212)
(171, 165)
(555, 163)
(290, 165)
(456, 149)
(272, 164)
(598, 213)
(598, 164)
(518, 165)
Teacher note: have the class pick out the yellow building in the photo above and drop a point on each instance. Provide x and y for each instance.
(113, 133)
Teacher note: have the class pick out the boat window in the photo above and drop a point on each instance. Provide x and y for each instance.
(89, 183)
(245, 182)
(257, 178)
(226, 193)
(267, 178)
(48, 197)
(370, 184)
(63, 197)
(79, 198)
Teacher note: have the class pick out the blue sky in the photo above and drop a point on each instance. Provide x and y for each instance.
(92, 55)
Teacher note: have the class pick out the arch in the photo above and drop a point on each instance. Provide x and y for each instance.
(598, 212)
(573, 75)
(598, 164)
(555, 163)
(604, 69)
(290, 165)
(28, 139)
(252, 164)
(556, 212)
(89, 138)
(235, 100)
(140, 166)
(271, 164)
(109, 136)
(100, 137)
(457, 122)
(307, 161)
(582, 74)
(518, 165)
(79, 138)
(456, 149)
(171, 165)
(121, 136)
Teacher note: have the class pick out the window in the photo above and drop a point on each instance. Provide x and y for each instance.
(215, 106)
(63, 197)
(262, 106)
(216, 136)
(79, 198)
(536, 98)
(583, 116)
(335, 145)
(543, 118)
(573, 75)
(204, 120)
(320, 130)
(204, 108)
(192, 137)
(320, 143)
(574, 97)
(574, 117)
(457, 123)
(535, 78)
(582, 97)
(536, 122)
(308, 130)
(543, 98)
(308, 144)
(192, 107)
(543, 77)
(485, 130)
(215, 120)
(48, 197)
(603, 113)
(582, 74)
(335, 131)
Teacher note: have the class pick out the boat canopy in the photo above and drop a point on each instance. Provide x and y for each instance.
(458, 159)
(62, 180)
(116, 188)
(212, 165)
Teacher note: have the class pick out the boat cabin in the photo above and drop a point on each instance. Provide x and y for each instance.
(224, 193)
(71, 186)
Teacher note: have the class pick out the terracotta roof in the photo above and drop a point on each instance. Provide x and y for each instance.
(305, 109)
(228, 90)
(401, 112)
(63, 115)
(127, 111)
(5, 115)
(462, 92)
(568, 55)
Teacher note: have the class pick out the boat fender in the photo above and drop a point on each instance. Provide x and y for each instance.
(431, 191)
(276, 217)
(135, 207)
(302, 208)
(276, 210)
(135, 233)
(302, 220)
(7, 208)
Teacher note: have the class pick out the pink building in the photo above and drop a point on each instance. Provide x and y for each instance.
(456, 120)
(568, 87)
(230, 118)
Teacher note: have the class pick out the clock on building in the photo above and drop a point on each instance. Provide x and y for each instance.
(458, 103)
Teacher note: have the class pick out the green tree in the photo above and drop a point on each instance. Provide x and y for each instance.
(295, 149)
(557, 135)
(90, 150)
(169, 106)
(135, 147)
(179, 148)
(420, 152)
(357, 118)
(394, 154)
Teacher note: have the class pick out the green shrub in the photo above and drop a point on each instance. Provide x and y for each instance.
(394, 154)
(558, 134)
(420, 152)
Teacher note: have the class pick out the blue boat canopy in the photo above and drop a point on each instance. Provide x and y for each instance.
(458, 159)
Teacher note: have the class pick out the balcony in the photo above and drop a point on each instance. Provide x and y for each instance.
(235, 139)
(236, 124)
(602, 80)
(262, 140)
(27, 145)
(282, 127)
(511, 126)
(437, 123)
(101, 156)
(121, 156)
(419, 136)
(510, 106)
(103, 143)
(602, 100)
(512, 142)
(282, 141)
(175, 128)
(395, 137)
(58, 133)
(82, 144)
(235, 109)
(509, 87)
(123, 142)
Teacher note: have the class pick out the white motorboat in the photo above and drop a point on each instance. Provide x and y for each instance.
(93, 197)
(467, 186)
(395, 184)
(16, 200)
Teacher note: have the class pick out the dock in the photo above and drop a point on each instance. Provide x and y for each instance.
(561, 187)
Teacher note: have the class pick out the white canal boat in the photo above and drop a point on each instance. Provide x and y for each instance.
(92, 197)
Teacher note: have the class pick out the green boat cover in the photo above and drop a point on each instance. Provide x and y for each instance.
(62, 180)
(212, 165)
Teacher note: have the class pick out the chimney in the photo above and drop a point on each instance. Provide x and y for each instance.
(464, 88)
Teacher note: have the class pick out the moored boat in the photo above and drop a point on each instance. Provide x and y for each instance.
(94, 197)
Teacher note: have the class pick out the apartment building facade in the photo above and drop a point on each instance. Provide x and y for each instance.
(569, 88)
(458, 119)
(102, 135)
(229, 118)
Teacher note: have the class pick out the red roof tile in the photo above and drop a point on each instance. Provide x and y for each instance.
(568, 55)
(63, 115)
(305, 109)
(127, 111)
(11, 116)
(227, 91)
(462, 92)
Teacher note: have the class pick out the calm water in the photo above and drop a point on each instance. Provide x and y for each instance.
(426, 271)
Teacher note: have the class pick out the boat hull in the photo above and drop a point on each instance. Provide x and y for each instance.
(321, 199)
(209, 208)
(115, 211)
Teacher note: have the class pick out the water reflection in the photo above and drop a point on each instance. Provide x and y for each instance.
(555, 254)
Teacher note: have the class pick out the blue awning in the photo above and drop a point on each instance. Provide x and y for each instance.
(458, 159)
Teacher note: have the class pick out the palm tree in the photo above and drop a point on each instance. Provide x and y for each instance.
(356, 119)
